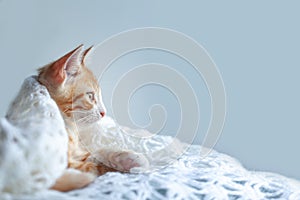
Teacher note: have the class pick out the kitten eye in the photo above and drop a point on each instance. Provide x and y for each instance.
(91, 95)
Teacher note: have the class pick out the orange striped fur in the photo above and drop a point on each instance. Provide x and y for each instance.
(76, 91)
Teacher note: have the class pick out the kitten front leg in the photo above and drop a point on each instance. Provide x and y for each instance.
(84, 166)
(123, 161)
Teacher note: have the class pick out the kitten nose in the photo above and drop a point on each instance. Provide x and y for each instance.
(102, 113)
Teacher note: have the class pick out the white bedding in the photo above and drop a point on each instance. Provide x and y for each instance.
(171, 175)
(216, 177)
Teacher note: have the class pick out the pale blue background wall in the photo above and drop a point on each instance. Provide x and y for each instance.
(254, 44)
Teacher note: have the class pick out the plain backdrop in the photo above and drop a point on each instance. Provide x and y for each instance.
(255, 45)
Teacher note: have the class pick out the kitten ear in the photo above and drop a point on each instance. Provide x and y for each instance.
(68, 65)
(86, 55)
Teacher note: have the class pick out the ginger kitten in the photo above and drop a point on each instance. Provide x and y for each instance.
(76, 91)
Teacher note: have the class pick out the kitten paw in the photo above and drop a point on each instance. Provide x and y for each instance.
(128, 160)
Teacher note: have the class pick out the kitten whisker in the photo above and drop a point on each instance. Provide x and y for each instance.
(65, 110)
(78, 111)
(83, 119)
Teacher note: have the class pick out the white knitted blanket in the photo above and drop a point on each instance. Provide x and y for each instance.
(217, 176)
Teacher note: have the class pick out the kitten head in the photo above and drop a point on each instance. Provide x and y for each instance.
(74, 87)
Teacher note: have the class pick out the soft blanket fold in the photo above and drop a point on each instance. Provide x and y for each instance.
(32, 132)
